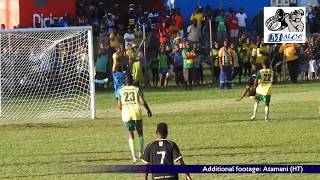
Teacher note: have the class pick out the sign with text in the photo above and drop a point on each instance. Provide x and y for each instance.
(284, 25)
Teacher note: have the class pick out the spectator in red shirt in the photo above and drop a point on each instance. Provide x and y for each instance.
(178, 20)
(164, 18)
(164, 33)
(233, 26)
(158, 26)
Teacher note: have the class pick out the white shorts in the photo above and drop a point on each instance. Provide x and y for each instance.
(313, 66)
(234, 33)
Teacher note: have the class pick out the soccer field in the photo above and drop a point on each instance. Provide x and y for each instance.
(209, 126)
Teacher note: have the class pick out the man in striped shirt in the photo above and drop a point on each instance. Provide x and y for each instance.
(226, 63)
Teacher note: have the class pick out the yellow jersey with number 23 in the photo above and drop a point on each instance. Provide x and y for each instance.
(265, 78)
(129, 98)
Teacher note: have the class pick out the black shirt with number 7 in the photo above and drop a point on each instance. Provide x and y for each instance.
(162, 152)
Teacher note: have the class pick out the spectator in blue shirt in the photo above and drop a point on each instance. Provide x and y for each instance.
(312, 20)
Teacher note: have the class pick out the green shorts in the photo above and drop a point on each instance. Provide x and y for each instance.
(266, 99)
(133, 125)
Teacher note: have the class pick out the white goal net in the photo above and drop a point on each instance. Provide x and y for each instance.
(46, 73)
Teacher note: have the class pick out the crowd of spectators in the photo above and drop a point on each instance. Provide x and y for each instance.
(179, 50)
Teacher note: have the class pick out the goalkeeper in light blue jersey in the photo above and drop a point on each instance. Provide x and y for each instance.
(118, 79)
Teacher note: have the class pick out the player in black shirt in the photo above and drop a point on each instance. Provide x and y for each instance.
(250, 90)
(163, 152)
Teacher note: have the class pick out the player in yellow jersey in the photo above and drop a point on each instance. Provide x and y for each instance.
(130, 102)
(263, 85)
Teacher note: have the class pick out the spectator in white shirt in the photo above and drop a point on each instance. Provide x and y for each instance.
(313, 69)
(128, 37)
(110, 22)
(194, 32)
(242, 17)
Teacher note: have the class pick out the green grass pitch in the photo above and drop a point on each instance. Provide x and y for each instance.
(209, 126)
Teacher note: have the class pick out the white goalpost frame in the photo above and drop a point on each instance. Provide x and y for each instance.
(88, 29)
(91, 72)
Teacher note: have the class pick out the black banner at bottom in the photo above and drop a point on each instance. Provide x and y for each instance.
(214, 169)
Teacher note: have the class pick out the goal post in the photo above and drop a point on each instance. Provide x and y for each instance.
(92, 76)
(47, 73)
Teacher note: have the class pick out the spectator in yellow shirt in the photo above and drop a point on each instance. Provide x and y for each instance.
(262, 54)
(114, 40)
(245, 56)
(253, 46)
(215, 64)
(118, 58)
(290, 54)
(197, 15)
